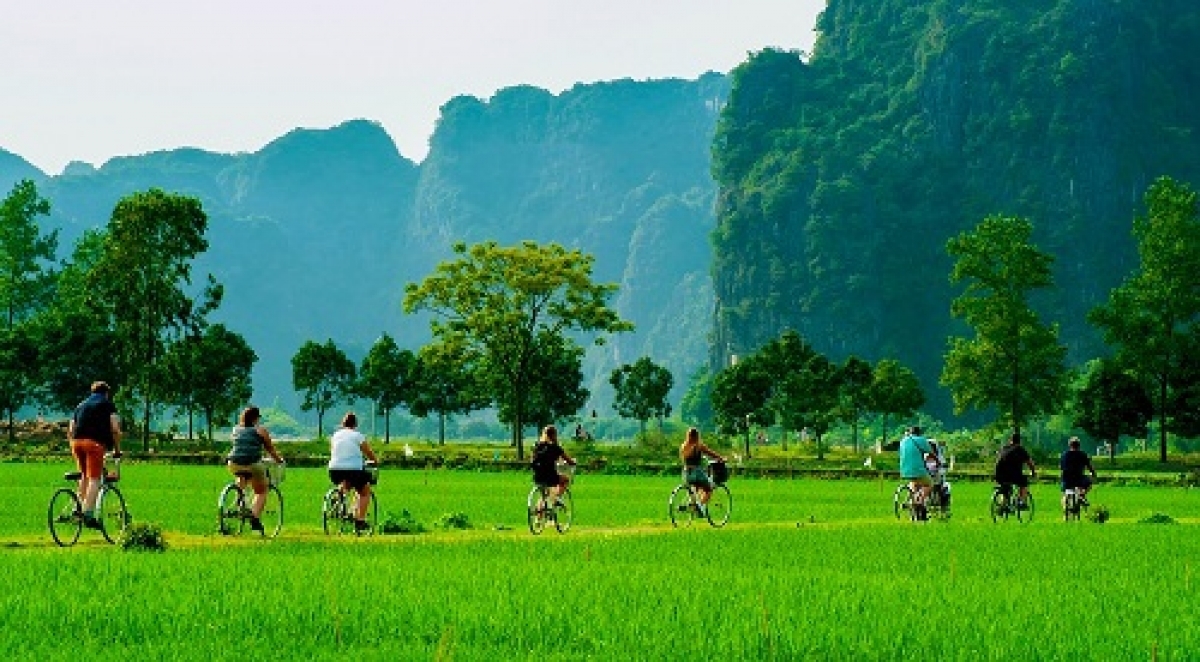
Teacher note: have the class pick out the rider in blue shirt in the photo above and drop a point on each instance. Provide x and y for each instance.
(913, 450)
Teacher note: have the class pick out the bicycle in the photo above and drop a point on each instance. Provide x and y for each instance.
(1004, 505)
(543, 508)
(684, 504)
(338, 508)
(233, 504)
(904, 501)
(65, 516)
(1074, 504)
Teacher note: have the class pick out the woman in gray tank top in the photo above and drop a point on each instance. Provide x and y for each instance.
(250, 440)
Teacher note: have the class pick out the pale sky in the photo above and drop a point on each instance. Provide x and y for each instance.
(87, 80)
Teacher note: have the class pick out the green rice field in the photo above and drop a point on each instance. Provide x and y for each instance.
(807, 569)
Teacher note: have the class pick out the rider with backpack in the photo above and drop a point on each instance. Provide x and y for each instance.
(544, 463)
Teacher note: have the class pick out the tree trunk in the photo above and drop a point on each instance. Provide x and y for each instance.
(441, 428)
(387, 426)
(1162, 421)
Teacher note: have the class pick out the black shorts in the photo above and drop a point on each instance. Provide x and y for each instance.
(355, 478)
(547, 480)
(1020, 480)
(1083, 482)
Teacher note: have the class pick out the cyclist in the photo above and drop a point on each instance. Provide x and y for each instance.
(1073, 462)
(914, 449)
(1012, 458)
(546, 455)
(935, 464)
(250, 439)
(347, 447)
(94, 430)
(692, 452)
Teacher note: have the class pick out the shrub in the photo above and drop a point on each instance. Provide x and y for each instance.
(1157, 518)
(404, 523)
(454, 521)
(143, 537)
(1099, 514)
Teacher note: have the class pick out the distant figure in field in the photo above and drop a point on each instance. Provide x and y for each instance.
(914, 449)
(692, 452)
(93, 431)
(250, 440)
(1010, 466)
(544, 463)
(1073, 462)
(348, 469)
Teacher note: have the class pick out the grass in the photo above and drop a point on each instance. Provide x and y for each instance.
(807, 570)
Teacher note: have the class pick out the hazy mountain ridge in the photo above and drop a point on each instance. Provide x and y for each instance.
(315, 234)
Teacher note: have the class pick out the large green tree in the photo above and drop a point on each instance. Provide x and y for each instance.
(1152, 319)
(387, 376)
(641, 391)
(26, 282)
(220, 376)
(1014, 362)
(1111, 403)
(854, 391)
(143, 283)
(445, 385)
(325, 376)
(894, 391)
(696, 408)
(506, 306)
(740, 398)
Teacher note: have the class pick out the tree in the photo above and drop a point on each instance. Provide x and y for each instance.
(696, 407)
(894, 391)
(25, 285)
(1014, 362)
(221, 374)
(854, 381)
(139, 283)
(808, 399)
(555, 389)
(26, 281)
(325, 376)
(76, 343)
(1112, 403)
(782, 359)
(445, 385)
(387, 376)
(641, 391)
(1153, 318)
(739, 398)
(506, 306)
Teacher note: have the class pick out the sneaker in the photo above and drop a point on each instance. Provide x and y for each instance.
(361, 527)
(91, 522)
(257, 525)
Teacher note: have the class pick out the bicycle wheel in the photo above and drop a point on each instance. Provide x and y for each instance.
(231, 507)
(111, 512)
(682, 506)
(1025, 511)
(333, 509)
(536, 508)
(720, 506)
(272, 513)
(999, 506)
(563, 512)
(902, 501)
(65, 517)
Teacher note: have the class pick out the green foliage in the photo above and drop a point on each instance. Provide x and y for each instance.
(507, 311)
(139, 281)
(1111, 403)
(696, 408)
(1098, 514)
(388, 377)
(894, 391)
(324, 375)
(211, 373)
(641, 391)
(444, 384)
(1152, 320)
(400, 524)
(142, 537)
(457, 520)
(1157, 518)
(1014, 362)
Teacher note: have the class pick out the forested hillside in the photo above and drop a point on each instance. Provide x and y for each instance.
(841, 176)
(315, 235)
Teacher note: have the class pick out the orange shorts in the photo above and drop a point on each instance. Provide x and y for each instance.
(89, 457)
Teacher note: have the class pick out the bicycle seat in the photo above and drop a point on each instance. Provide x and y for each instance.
(72, 475)
(244, 474)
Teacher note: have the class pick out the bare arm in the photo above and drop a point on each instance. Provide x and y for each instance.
(366, 450)
(711, 453)
(269, 444)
